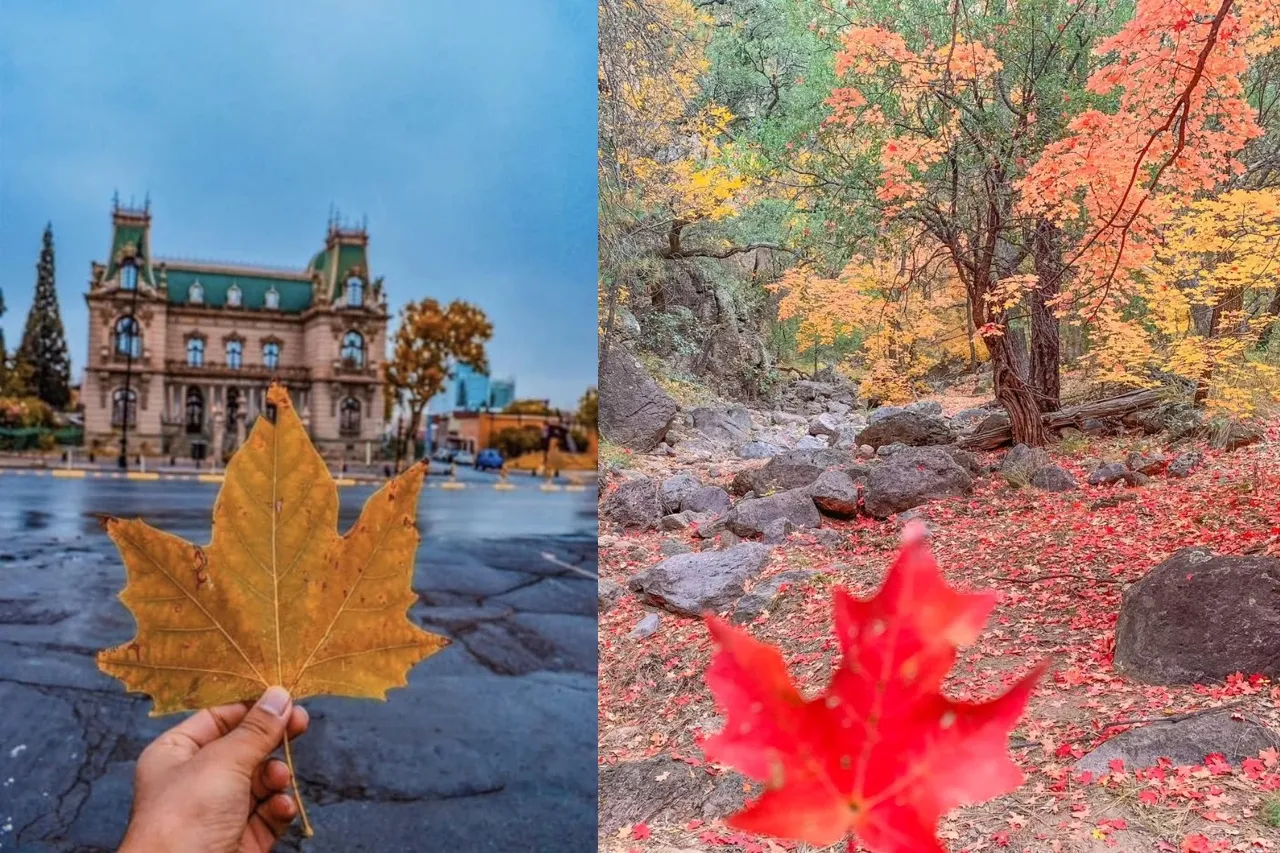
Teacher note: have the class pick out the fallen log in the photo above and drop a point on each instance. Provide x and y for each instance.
(1110, 407)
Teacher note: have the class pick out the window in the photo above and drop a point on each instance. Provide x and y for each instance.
(195, 293)
(128, 277)
(195, 352)
(233, 296)
(273, 298)
(353, 349)
(355, 292)
(128, 338)
(349, 419)
(124, 404)
(271, 355)
(235, 353)
(195, 409)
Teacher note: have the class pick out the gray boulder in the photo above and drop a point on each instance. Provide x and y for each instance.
(634, 504)
(811, 442)
(787, 418)
(1149, 465)
(912, 477)
(731, 426)
(671, 547)
(708, 500)
(825, 424)
(761, 599)
(793, 469)
(966, 460)
(1197, 618)
(967, 419)
(835, 493)
(646, 627)
(676, 489)
(777, 531)
(608, 594)
(1184, 463)
(1051, 478)
(663, 790)
(838, 408)
(1112, 472)
(915, 429)
(806, 389)
(1234, 436)
(691, 584)
(757, 450)
(1184, 741)
(750, 517)
(1021, 463)
(889, 449)
(634, 412)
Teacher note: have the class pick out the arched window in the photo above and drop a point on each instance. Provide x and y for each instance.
(355, 292)
(353, 349)
(235, 353)
(273, 298)
(233, 296)
(349, 418)
(124, 404)
(195, 293)
(195, 352)
(195, 410)
(128, 277)
(271, 355)
(128, 338)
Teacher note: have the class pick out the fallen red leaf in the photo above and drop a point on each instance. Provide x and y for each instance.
(881, 753)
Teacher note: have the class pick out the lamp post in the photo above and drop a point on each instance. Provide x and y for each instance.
(135, 339)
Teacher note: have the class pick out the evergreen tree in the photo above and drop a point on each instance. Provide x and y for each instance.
(44, 341)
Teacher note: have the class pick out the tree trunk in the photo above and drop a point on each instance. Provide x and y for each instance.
(1045, 374)
(1230, 301)
(1015, 396)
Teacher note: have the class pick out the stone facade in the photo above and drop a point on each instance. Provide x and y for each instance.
(186, 350)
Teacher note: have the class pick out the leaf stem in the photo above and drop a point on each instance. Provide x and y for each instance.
(307, 831)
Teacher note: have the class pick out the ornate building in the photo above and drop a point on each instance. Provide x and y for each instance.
(185, 350)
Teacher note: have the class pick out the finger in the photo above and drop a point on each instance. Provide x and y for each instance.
(270, 819)
(188, 737)
(273, 776)
(256, 736)
(299, 721)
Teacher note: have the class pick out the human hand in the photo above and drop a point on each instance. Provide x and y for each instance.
(207, 785)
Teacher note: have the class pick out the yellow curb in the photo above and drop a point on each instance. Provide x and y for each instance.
(141, 475)
(504, 487)
(550, 487)
(453, 485)
(209, 478)
(344, 481)
(70, 473)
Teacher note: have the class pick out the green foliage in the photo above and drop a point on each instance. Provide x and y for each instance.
(1271, 812)
(44, 343)
(588, 415)
(516, 441)
(527, 407)
(25, 412)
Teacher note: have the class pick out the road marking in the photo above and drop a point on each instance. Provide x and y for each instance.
(142, 475)
(70, 473)
(504, 487)
(453, 485)
(209, 478)
(552, 558)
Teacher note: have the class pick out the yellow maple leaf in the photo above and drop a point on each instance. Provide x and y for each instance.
(278, 596)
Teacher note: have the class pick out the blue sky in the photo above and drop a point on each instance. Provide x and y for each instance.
(464, 131)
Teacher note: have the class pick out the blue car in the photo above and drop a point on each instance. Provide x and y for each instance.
(489, 460)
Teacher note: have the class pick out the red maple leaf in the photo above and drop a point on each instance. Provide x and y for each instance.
(881, 753)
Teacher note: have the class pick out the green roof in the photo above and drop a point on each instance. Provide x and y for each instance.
(348, 257)
(295, 295)
(121, 236)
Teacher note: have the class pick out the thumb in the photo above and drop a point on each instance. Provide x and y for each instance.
(259, 733)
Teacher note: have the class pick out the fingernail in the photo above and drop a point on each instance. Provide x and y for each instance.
(275, 700)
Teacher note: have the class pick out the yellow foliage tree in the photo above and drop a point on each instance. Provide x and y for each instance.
(907, 307)
(1209, 295)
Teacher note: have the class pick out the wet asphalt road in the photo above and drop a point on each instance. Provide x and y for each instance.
(491, 746)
